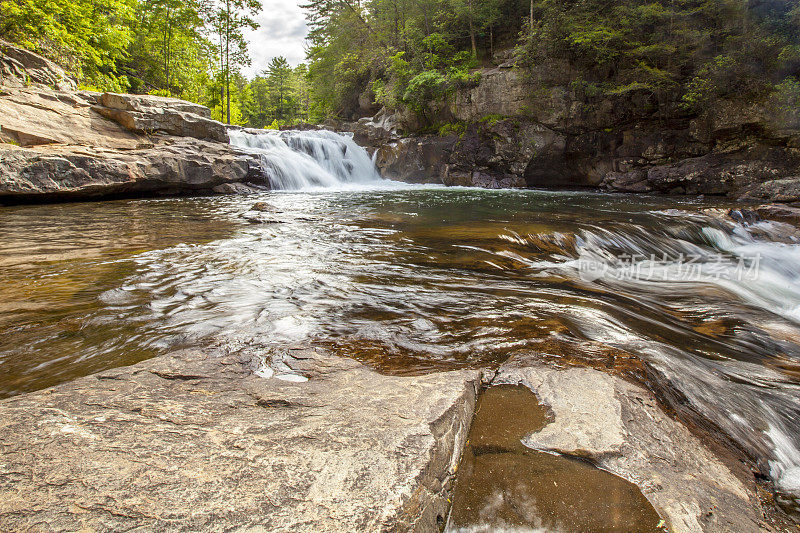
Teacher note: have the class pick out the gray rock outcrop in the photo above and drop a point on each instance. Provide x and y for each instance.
(173, 166)
(70, 145)
(21, 68)
(191, 441)
(499, 92)
(150, 114)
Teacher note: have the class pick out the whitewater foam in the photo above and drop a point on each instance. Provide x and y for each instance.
(302, 160)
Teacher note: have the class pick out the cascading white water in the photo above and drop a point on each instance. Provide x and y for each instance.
(295, 160)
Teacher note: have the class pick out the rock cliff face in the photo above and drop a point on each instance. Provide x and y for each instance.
(58, 143)
(531, 133)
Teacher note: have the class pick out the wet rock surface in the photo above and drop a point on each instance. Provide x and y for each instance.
(191, 441)
(504, 485)
(779, 212)
(620, 427)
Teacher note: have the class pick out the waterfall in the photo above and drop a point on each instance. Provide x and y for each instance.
(295, 160)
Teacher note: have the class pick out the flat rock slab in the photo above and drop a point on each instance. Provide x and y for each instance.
(191, 441)
(620, 428)
(174, 165)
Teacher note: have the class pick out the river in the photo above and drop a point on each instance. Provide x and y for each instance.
(412, 279)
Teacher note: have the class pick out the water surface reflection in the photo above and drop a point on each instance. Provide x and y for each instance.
(412, 280)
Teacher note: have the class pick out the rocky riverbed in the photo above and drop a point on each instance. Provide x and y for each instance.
(307, 441)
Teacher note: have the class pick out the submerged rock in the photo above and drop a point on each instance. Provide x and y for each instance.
(190, 441)
(781, 213)
(620, 427)
(264, 207)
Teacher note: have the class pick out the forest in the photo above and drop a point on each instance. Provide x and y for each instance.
(413, 54)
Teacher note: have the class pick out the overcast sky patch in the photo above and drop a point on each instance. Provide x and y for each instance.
(282, 32)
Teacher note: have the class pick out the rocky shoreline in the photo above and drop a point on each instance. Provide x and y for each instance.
(60, 144)
(301, 440)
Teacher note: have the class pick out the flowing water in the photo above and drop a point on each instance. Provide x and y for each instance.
(413, 279)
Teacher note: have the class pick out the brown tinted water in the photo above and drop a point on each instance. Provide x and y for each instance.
(416, 279)
(502, 485)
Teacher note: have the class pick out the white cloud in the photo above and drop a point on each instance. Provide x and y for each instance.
(282, 32)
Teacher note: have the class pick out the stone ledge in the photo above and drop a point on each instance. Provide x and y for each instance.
(191, 441)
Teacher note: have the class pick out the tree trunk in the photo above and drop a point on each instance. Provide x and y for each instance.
(228, 58)
(472, 32)
(167, 43)
(531, 21)
(222, 75)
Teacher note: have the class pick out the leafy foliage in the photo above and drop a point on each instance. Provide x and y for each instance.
(86, 36)
(412, 55)
(401, 53)
(694, 51)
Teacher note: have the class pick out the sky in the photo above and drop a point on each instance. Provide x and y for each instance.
(282, 32)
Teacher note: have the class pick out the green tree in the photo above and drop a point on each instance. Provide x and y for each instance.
(257, 109)
(85, 36)
(279, 78)
(170, 53)
(230, 19)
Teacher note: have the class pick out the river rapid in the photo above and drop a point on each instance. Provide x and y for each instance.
(413, 279)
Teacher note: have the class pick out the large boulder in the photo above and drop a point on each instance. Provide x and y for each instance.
(173, 166)
(150, 114)
(195, 441)
(35, 116)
